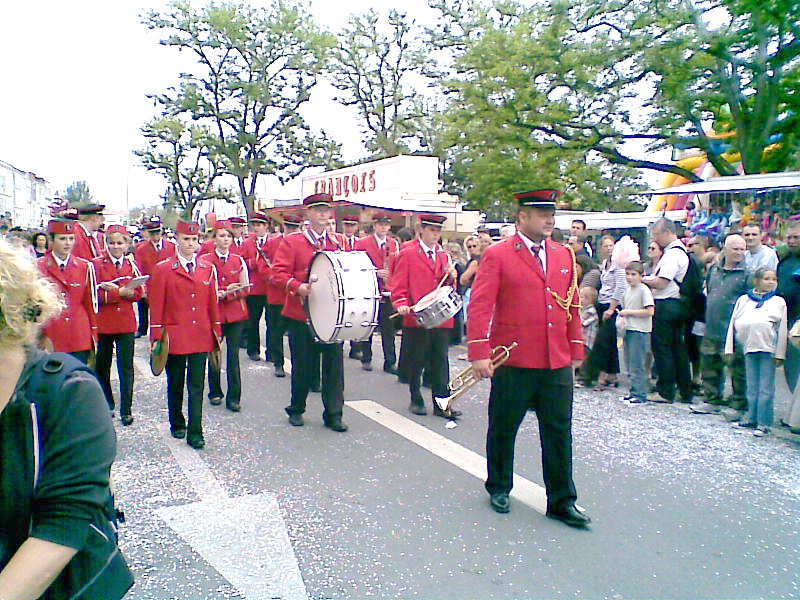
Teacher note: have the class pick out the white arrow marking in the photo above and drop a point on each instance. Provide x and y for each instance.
(473, 463)
(244, 539)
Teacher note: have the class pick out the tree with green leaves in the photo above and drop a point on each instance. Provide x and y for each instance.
(183, 154)
(558, 93)
(379, 67)
(256, 68)
(78, 194)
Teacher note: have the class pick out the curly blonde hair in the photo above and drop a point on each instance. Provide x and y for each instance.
(27, 299)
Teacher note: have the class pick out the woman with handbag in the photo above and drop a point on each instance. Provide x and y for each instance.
(57, 443)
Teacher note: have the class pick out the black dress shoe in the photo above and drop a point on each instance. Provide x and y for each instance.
(500, 503)
(570, 516)
(417, 408)
(233, 406)
(454, 414)
(296, 420)
(336, 425)
(126, 419)
(196, 441)
(254, 357)
(215, 400)
(279, 372)
(355, 354)
(138, 335)
(401, 379)
(315, 388)
(390, 369)
(179, 433)
(366, 366)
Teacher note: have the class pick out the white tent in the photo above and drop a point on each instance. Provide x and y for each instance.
(736, 183)
(597, 221)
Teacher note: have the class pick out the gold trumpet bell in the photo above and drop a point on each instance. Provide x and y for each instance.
(466, 379)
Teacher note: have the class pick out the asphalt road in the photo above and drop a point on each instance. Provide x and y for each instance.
(683, 506)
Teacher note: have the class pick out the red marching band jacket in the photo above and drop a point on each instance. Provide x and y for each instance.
(147, 257)
(86, 246)
(290, 269)
(380, 259)
(75, 328)
(116, 313)
(414, 276)
(276, 293)
(254, 256)
(193, 320)
(232, 307)
(512, 301)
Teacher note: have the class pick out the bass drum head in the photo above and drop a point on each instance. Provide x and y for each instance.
(323, 302)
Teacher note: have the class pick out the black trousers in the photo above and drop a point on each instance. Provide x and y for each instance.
(278, 325)
(669, 349)
(387, 330)
(82, 355)
(427, 349)
(256, 307)
(306, 355)
(105, 350)
(549, 392)
(144, 316)
(232, 332)
(605, 356)
(177, 367)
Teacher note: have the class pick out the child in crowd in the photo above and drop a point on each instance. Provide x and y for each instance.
(590, 322)
(758, 324)
(638, 308)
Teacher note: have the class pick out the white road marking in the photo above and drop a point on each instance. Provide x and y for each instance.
(473, 463)
(244, 538)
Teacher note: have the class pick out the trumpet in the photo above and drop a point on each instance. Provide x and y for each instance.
(466, 379)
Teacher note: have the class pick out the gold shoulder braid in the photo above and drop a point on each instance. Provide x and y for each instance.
(567, 302)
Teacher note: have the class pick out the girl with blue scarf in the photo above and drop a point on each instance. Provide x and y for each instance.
(758, 325)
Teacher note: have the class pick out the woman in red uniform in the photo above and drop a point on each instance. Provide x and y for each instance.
(232, 284)
(116, 321)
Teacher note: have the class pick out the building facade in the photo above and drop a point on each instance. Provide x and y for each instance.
(24, 197)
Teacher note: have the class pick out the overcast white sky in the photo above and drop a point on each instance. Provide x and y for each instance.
(74, 78)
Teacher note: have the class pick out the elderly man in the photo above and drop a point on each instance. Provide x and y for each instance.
(758, 255)
(726, 281)
(789, 290)
(669, 324)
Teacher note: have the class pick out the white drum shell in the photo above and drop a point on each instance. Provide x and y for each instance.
(437, 307)
(345, 299)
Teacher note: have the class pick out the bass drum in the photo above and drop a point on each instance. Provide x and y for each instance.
(345, 299)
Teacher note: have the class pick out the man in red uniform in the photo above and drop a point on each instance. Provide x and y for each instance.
(276, 295)
(525, 291)
(74, 330)
(237, 230)
(232, 282)
(253, 250)
(422, 264)
(183, 302)
(290, 270)
(90, 220)
(350, 225)
(383, 251)
(116, 321)
(148, 254)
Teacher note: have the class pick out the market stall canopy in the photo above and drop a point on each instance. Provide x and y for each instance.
(736, 183)
(597, 221)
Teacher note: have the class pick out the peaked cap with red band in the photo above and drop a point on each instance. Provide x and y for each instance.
(382, 217)
(538, 198)
(237, 221)
(318, 200)
(293, 219)
(60, 227)
(91, 209)
(187, 228)
(259, 217)
(352, 219)
(222, 224)
(116, 229)
(427, 219)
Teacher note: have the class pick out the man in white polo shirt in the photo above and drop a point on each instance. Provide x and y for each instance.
(669, 323)
(758, 255)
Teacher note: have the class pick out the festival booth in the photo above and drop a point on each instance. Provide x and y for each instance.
(402, 184)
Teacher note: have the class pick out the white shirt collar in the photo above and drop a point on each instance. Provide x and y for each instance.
(261, 240)
(185, 261)
(425, 248)
(529, 242)
(59, 262)
(117, 261)
(225, 256)
(384, 240)
(157, 245)
(315, 238)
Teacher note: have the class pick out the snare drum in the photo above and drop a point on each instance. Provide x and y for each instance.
(344, 300)
(437, 307)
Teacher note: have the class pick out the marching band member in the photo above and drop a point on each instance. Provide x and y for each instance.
(183, 302)
(253, 250)
(237, 230)
(383, 251)
(90, 220)
(290, 270)
(148, 254)
(525, 291)
(74, 330)
(116, 321)
(276, 296)
(349, 236)
(232, 285)
(422, 264)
